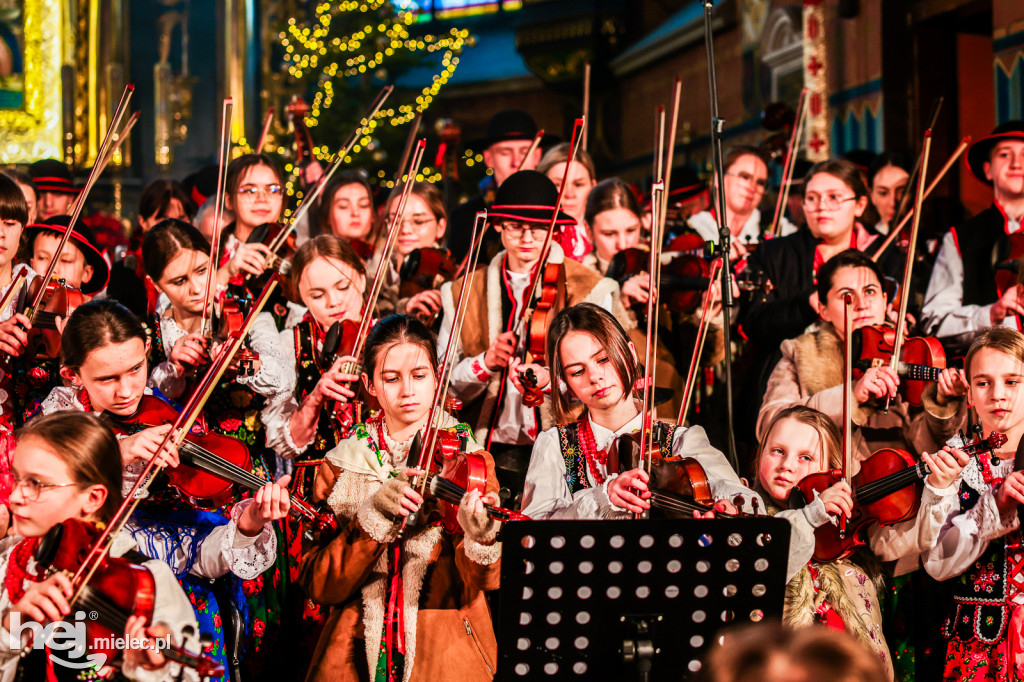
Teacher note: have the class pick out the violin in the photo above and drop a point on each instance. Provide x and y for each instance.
(58, 300)
(550, 302)
(1009, 253)
(425, 270)
(211, 464)
(458, 472)
(922, 358)
(270, 234)
(117, 590)
(679, 485)
(887, 490)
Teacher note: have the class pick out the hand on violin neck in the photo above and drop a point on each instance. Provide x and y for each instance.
(145, 654)
(876, 382)
(336, 384)
(249, 258)
(271, 503)
(498, 355)
(188, 352)
(838, 499)
(145, 445)
(629, 491)
(1008, 304)
(517, 369)
(952, 385)
(737, 250)
(945, 465)
(473, 518)
(425, 304)
(43, 602)
(14, 335)
(636, 290)
(721, 507)
(396, 499)
(1010, 493)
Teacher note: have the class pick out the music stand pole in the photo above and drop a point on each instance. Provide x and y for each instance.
(724, 234)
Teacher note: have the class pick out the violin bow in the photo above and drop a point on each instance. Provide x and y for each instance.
(698, 346)
(533, 145)
(389, 247)
(847, 398)
(76, 212)
(218, 214)
(266, 130)
(12, 290)
(340, 157)
(586, 98)
(445, 369)
(790, 162)
(901, 320)
(659, 203)
(177, 434)
(893, 233)
(119, 139)
(410, 141)
(917, 164)
(545, 250)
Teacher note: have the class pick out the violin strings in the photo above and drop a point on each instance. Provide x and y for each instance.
(876, 490)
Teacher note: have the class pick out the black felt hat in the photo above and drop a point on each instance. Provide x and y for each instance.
(528, 196)
(511, 124)
(978, 153)
(202, 184)
(51, 175)
(84, 239)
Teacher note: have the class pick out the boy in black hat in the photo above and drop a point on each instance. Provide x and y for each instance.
(55, 188)
(962, 297)
(81, 265)
(521, 214)
(509, 136)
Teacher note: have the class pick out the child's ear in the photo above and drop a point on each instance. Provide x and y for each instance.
(70, 376)
(632, 350)
(368, 384)
(97, 496)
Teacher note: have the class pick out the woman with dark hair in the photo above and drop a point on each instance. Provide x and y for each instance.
(594, 363)
(404, 605)
(345, 210)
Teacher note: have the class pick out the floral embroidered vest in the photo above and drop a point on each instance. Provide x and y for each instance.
(576, 462)
(981, 596)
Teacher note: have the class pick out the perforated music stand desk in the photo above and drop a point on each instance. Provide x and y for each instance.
(625, 600)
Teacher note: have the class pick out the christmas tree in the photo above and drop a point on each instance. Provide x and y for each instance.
(341, 54)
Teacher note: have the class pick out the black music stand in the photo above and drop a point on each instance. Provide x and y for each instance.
(585, 600)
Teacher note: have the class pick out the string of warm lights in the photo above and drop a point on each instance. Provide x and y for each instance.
(307, 49)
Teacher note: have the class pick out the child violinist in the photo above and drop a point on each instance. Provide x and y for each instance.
(842, 594)
(980, 544)
(378, 579)
(105, 366)
(80, 265)
(810, 371)
(569, 476)
(176, 258)
(522, 213)
(67, 467)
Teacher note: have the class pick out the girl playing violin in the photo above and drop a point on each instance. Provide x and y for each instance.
(254, 192)
(595, 360)
(378, 579)
(104, 362)
(980, 543)
(810, 370)
(423, 227)
(176, 258)
(574, 238)
(841, 594)
(68, 466)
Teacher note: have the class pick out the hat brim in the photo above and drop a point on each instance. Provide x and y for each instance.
(483, 143)
(529, 214)
(100, 270)
(977, 153)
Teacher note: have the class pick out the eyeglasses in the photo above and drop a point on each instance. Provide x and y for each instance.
(250, 191)
(416, 223)
(32, 488)
(516, 230)
(829, 202)
(762, 183)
